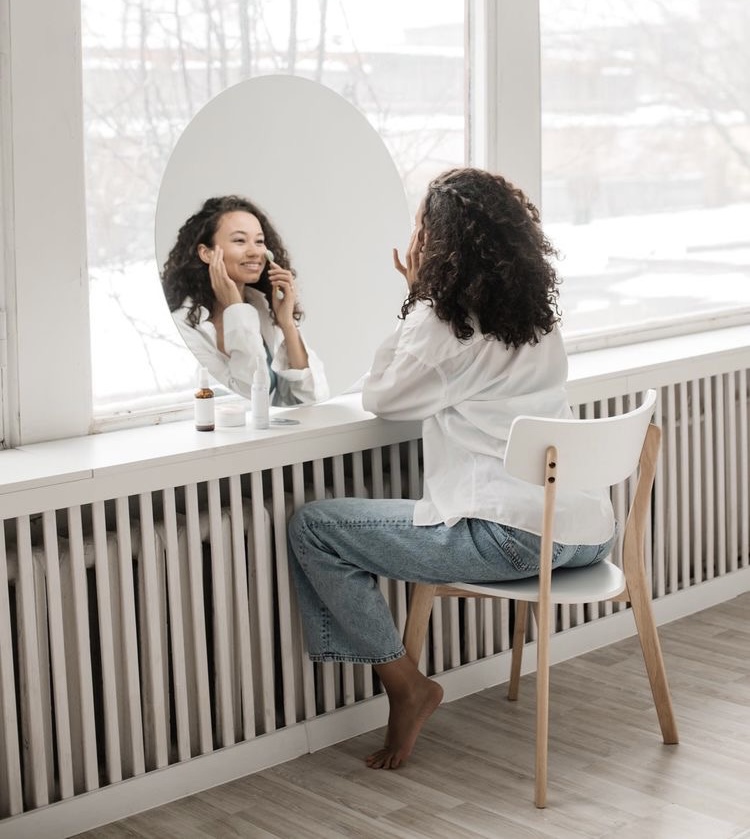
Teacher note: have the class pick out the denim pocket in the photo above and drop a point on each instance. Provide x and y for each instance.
(522, 550)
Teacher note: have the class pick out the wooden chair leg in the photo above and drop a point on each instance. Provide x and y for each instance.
(544, 625)
(418, 618)
(640, 602)
(542, 704)
(519, 635)
(638, 589)
(542, 708)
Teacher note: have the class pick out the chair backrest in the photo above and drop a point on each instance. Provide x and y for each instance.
(591, 453)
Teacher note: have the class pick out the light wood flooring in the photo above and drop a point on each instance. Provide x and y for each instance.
(471, 775)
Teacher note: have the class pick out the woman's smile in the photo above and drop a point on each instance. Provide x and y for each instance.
(252, 265)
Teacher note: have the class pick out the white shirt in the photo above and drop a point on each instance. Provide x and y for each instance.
(248, 329)
(467, 394)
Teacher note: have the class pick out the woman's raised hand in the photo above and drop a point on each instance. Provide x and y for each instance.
(225, 289)
(413, 259)
(282, 280)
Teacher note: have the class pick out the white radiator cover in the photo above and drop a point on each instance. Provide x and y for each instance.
(150, 644)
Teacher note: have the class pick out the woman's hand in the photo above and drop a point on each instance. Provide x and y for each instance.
(282, 280)
(410, 271)
(224, 288)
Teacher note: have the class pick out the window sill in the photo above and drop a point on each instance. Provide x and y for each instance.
(341, 424)
(658, 329)
(613, 370)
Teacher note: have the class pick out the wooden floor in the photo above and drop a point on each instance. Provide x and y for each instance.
(471, 775)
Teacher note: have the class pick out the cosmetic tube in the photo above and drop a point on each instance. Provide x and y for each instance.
(259, 397)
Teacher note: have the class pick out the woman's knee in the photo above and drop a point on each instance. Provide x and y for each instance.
(310, 512)
(298, 524)
(304, 520)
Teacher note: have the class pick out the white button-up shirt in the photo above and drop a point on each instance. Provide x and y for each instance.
(467, 394)
(247, 328)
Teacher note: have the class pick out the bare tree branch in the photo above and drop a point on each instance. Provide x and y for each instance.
(321, 40)
(291, 53)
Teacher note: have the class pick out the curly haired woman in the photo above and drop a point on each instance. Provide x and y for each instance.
(478, 345)
(234, 307)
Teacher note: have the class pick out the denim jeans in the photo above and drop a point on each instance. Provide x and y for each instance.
(337, 548)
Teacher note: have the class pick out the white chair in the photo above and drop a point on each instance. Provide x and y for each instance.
(578, 455)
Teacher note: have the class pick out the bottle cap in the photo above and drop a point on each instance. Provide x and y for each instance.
(203, 377)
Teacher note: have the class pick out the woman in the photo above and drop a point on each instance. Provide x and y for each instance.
(478, 345)
(236, 308)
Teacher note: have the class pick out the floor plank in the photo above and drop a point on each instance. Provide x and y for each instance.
(471, 776)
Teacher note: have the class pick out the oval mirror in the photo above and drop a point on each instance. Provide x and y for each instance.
(322, 174)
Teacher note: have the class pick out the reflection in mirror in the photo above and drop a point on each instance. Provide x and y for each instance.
(323, 194)
(232, 294)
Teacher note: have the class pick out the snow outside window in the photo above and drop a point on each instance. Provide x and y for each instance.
(646, 163)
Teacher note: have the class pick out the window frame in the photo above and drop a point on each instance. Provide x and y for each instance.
(45, 387)
(47, 392)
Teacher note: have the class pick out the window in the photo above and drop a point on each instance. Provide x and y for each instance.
(642, 171)
(646, 163)
(150, 65)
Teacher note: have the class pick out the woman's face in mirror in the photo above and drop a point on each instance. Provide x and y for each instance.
(240, 236)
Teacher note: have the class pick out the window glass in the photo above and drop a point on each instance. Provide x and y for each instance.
(150, 65)
(646, 160)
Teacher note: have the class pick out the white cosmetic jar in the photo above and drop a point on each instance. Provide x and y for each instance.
(230, 416)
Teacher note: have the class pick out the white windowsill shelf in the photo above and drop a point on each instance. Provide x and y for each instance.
(593, 375)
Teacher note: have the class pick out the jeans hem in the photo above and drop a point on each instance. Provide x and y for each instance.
(356, 659)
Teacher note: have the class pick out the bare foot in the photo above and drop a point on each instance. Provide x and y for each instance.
(405, 721)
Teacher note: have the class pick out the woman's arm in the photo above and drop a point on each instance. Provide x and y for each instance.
(243, 347)
(295, 386)
(282, 282)
(296, 352)
(402, 384)
(301, 377)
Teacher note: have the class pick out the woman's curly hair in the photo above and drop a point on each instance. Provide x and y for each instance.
(485, 260)
(185, 275)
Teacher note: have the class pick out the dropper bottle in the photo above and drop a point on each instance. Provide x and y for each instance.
(259, 397)
(203, 403)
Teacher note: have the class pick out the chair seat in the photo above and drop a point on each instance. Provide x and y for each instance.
(569, 585)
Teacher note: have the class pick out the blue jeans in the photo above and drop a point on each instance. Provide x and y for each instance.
(337, 548)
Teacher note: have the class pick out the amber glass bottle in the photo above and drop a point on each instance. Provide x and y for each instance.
(204, 403)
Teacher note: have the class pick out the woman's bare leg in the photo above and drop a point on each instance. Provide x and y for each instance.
(412, 697)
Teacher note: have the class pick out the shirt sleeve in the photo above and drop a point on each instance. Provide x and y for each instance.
(242, 341)
(295, 386)
(402, 385)
(243, 346)
(245, 349)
